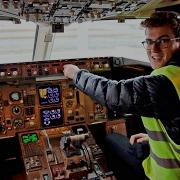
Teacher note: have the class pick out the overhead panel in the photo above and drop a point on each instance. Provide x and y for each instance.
(66, 11)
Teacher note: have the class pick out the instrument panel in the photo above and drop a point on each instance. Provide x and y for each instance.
(37, 96)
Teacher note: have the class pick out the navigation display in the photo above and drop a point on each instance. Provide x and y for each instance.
(51, 117)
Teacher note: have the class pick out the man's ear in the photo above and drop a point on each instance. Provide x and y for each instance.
(178, 44)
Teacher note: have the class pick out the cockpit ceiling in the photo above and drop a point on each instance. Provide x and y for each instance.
(69, 11)
(161, 5)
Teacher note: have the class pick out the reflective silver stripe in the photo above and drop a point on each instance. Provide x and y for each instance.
(174, 147)
(155, 135)
(166, 163)
(160, 136)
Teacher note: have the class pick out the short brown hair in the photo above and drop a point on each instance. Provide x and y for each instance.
(161, 18)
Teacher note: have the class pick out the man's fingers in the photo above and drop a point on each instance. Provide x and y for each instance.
(138, 138)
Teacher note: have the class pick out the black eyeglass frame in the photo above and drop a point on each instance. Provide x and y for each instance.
(158, 42)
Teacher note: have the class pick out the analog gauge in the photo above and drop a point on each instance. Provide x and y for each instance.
(17, 123)
(16, 110)
(15, 96)
(69, 104)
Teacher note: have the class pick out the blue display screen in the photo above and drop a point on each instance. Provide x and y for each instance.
(49, 94)
(51, 117)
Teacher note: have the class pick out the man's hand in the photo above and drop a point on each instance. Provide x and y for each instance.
(70, 70)
(138, 138)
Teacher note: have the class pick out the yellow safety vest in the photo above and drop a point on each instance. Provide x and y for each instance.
(163, 162)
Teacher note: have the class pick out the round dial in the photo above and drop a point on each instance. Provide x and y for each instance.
(18, 123)
(16, 110)
(15, 96)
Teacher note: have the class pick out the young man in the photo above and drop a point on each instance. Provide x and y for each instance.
(155, 97)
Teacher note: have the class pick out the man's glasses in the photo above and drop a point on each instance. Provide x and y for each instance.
(161, 42)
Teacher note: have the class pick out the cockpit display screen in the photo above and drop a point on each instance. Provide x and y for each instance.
(51, 117)
(49, 94)
(29, 137)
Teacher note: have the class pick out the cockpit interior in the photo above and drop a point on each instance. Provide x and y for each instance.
(50, 130)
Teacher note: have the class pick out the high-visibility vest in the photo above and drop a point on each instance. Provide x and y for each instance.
(163, 163)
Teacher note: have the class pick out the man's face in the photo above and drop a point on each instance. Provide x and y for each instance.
(159, 54)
